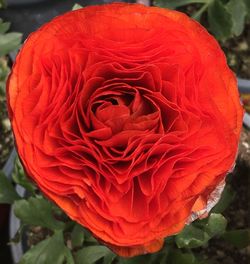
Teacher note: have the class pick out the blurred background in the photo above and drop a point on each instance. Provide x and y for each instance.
(27, 15)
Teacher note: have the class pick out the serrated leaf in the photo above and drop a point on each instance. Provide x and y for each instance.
(19, 177)
(50, 250)
(191, 237)
(216, 225)
(172, 4)
(220, 20)
(37, 212)
(91, 254)
(8, 193)
(227, 197)
(76, 6)
(238, 11)
(9, 42)
(239, 238)
(77, 236)
(198, 233)
(4, 27)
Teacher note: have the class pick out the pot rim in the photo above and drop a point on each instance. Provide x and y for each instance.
(14, 225)
(9, 164)
(244, 85)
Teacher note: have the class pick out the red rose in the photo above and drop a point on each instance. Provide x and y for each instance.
(127, 117)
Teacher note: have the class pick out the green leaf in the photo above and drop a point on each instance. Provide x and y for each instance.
(20, 178)
(198, 233)
(37, 212)
(220, 20)
(239, 238)
(4, 26)
(247, 3)
(76, 6)
(2, 4)
(4, 71)
(227, 197)
(50, 250)
(109, 258)
(177, 3)
(199, 13)
(176, 256)
(216, 225)
(89, 238)
(8, 193)
(68, 256)
(77, 236)
(191, 237)
(9, 42)
(91, 254)
(145, 259)
(237, 9)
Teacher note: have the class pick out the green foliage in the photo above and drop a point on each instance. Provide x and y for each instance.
(4, 26)
(225, 18)
(2, 4)
(172, 4)
(177, 256)
(7, 192)
(89, 255)
(191, 237)
(50, 250)
(227, 197)
(77, 236)
(238, 12)
(109, 258)
(220, 20)
(9, 42)
(19, 177)
(216, 225)
(4, 71)
(247, 3)
(239, 238)
(38, 212)
(198, 235)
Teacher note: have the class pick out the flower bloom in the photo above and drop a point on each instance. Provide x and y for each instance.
(127, 117)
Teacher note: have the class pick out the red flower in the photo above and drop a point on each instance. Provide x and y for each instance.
(127, 117)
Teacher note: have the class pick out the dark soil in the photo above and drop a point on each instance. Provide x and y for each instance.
(36, 234)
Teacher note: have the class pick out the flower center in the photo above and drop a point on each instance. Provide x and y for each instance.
(124, 112)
